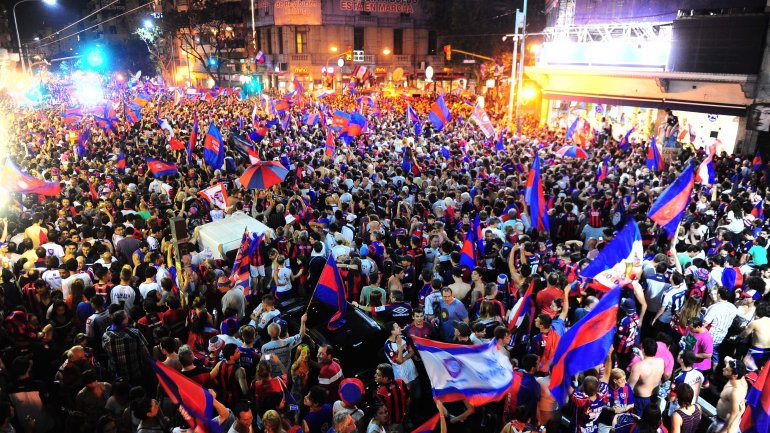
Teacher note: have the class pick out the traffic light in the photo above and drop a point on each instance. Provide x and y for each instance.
(448, 52)
(349, 55)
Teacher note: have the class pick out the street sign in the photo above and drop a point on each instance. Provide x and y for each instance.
(469, 61)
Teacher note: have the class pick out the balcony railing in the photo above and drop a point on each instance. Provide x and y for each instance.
(402, 59)
(300, 58)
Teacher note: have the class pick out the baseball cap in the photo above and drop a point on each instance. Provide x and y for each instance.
(216, 344)
(628, 305)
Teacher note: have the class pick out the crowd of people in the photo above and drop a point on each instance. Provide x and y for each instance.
(92, 292)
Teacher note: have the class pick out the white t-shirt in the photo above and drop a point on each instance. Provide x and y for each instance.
(125, 294)
(283, 280)
(52, 249)
(66, 284)
(721, 316)
(53, 278)
(145, 288)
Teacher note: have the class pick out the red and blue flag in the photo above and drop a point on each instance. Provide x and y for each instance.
(535, 197)
(625, 142)
(214, 148)
(759, 210)
(260, 58)
(311, 119)
(468, 252)
(500, 143)
(669, 208)
(439, 114)
(756, 417)
(478, 235)
(329, 147)
(160, 168)
(757, 163)
(196, 400)
(121, 165)
(603, 170)
(331, 291)
(654, 160)
(572, 128)
(258, 134)
(15, 180)
(585, 345)
(525, 306)
(241, 274)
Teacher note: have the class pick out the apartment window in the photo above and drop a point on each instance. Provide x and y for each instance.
(358, 38)
(259, 39)
(269, 41)
(280, 40)
(301, 42)
(398, 41)
(432, 43)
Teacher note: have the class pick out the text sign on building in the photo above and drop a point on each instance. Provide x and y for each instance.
(386, 6)
(297, 12)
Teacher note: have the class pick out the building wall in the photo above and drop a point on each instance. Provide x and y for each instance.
(332, 23)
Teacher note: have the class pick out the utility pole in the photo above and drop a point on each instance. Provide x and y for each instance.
(512, 82)
(521, 63)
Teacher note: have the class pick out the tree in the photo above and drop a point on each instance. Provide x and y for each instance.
(209, 32)
(160, 47)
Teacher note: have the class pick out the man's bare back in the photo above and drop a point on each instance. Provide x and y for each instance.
(646, 375)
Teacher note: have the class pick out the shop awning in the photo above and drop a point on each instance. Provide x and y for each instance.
(725, 94)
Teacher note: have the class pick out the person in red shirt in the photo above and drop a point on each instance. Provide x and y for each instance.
(546, 296)
(394, 393)
(330, 375)
(419, 327)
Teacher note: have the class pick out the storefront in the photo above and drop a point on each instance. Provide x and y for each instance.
(712, 106)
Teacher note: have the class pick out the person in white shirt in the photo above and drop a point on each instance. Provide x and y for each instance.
(66, 283)
(51, 275)
(149, 283)
(123, 293)
(720, 315)
(264, 313)
(53, 249)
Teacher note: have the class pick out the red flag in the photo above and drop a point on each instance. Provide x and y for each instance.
(176, 144)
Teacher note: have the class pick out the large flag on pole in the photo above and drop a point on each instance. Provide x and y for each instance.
(585, 345)
(214, 148)
(457, 372)
(241, 276)
(533, 195)
(331, 291)
(611, 265)
(669, 208)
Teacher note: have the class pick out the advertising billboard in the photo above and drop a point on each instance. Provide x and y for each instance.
(289, 12)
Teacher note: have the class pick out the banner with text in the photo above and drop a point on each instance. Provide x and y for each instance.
(382, 6)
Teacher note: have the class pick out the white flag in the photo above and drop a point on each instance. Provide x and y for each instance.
(216, 195)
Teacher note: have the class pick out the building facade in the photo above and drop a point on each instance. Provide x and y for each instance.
(626, 62)
(304, 39)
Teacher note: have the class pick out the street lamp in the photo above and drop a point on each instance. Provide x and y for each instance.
(386, 51)
(148, 24)
(16, 24)
(333, 49)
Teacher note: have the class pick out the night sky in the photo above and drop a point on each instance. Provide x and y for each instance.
(34, 15)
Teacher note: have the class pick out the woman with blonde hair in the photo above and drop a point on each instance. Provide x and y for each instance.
(690, 309)
(273, 422)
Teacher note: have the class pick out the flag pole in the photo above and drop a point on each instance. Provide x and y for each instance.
(442, 420)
